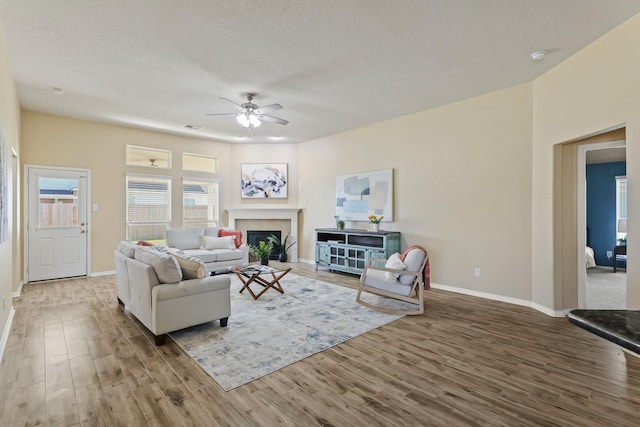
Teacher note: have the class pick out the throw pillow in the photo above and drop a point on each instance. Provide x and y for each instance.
(192, 268)
(128, 248)
(235, 233)
(396, 263)
(144, 243)
(207, 242)
(413, 259)
(164, 264)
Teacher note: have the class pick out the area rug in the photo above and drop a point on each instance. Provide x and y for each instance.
(277, 330)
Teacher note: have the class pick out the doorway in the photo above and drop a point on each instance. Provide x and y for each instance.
(600, 168)
(57, 226)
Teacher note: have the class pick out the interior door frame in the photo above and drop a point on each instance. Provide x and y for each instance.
(582, 209)
(25, 218)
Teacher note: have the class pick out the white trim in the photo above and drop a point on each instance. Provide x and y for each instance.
(103, 273)
(18, 292)
(269, 213)
(5, 332)
(501, 298)
(581, 223)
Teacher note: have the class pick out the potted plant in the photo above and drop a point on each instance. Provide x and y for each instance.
(622, 241)
(281, 245)
(375, 222)
(340, 225)
(262, 251)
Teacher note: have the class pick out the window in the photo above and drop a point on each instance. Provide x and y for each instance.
(148, 208)
(58, 202)
(148, 157)
(621, 206)
(199, 163)
(199, 203)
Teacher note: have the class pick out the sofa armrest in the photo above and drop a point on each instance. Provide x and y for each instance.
(190, 287)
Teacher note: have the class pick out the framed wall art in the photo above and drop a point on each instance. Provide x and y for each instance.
(359, 195)
(264, 181)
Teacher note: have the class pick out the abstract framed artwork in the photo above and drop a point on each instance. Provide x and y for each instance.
(359, 195)
(264, 180)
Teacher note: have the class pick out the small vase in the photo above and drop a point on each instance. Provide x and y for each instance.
(283, 257)
(264, 261)
(375, 227)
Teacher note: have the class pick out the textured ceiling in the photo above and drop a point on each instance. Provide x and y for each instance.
(334, 65)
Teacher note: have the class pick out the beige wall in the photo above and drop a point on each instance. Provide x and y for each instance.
(9, 126)
(595, 90)
(63, 142)
(462, 187)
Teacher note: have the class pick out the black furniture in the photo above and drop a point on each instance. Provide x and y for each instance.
(618, 250)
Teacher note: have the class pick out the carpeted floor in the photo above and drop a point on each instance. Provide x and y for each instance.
(276, 330)
(606, 289)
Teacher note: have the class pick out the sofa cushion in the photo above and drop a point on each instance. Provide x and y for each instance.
(192, 268)
(227, 255)
(395, 263)
(203, 255)
(208, 242)
(237, 234)
(212, 231)
(184, 239)
(127, 248)
(413, 259)
(164, 264)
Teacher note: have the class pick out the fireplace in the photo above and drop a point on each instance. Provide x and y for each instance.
(268, 218)
(254, 237)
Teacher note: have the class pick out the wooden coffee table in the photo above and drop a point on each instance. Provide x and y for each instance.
(265, 276)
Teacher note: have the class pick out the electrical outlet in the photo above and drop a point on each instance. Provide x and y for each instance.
(609, 254)
(477, 272)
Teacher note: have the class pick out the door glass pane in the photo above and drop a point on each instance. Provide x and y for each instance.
(58, 202)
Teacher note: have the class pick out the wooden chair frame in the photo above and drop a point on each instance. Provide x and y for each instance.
(416, 296)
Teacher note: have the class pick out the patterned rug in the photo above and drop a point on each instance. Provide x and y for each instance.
(277, 330)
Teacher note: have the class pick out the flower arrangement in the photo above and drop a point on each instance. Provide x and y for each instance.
(374, 219)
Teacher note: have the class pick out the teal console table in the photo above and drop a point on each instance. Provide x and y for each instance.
(349, 250)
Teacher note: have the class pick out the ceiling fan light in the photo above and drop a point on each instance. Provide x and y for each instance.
(243, 120)
(254, 120)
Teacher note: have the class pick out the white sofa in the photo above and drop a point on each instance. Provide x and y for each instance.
(219, 255)
(165, 298)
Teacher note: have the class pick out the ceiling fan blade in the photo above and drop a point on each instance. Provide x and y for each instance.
(238, 106)
(221, 114)
(268, 108)
(272, 119)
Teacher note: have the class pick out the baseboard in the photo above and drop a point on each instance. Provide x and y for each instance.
(5, 332)
(306, 261)
(501, 298)
(17, 293)
(103, 273)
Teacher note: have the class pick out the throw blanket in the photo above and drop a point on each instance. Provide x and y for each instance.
(427, 269)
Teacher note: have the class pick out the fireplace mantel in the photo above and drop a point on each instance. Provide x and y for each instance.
(267, 214)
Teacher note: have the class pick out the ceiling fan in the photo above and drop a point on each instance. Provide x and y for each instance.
(249, 115)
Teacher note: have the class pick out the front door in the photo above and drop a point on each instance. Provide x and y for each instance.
(56, 223)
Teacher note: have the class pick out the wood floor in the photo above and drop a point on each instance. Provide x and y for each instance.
(75, 358)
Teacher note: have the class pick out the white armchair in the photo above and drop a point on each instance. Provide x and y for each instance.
(400, 279)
